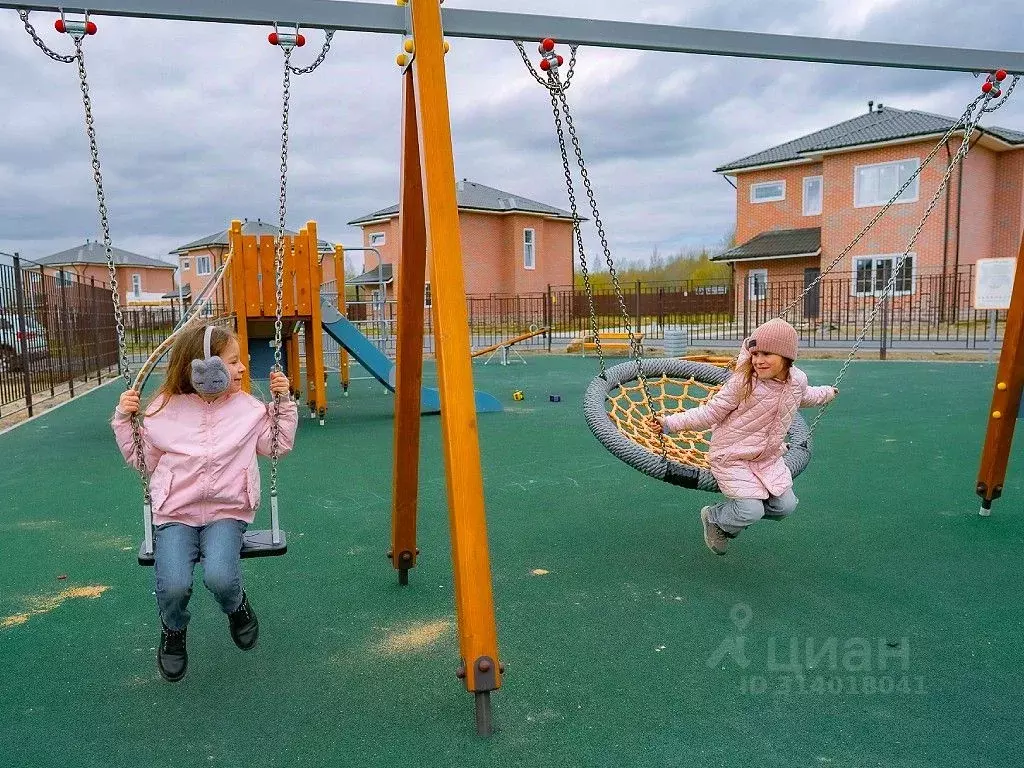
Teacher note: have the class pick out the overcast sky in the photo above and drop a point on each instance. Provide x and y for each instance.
(188, 117)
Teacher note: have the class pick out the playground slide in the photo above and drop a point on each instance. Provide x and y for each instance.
(376, 362)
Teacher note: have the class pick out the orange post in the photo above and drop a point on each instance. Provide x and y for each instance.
(339, 281)
(238, 295)
(1006, 397)
(412, 231)
(474, 603)
(315, 379)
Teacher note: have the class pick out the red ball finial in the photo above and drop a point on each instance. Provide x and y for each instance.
(545, 64)
(560, 60)
(90, 28)
(547, 44)
(273, 38)
(1000, 75)
(300, 40)
(986, 87)
(59, 25)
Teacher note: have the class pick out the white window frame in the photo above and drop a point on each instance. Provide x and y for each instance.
(911, 195)
(377, 239)
(200, 261)
(185, 264)
(821, 195)
(751, 283)
(529, 248)
(878, 287)
(781, 183)
(136, 285)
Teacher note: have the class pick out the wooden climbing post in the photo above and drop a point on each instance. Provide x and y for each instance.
(1006, 396)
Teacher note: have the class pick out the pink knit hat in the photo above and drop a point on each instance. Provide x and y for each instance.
(775, 337)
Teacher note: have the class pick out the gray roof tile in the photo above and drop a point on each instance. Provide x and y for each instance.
(258, 227)
(94, 253)
(477, 197)
(781, 242)
(887, 124)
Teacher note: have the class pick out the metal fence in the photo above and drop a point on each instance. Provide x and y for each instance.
(54, 332)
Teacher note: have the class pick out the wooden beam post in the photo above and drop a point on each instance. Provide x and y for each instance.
(1006, 397)
(474, 602)
(409, 362)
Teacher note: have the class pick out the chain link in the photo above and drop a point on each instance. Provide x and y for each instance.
(560, 109)
(275, 432)
(529, 66)
(64, 59)
(329, 34)
(97, 175)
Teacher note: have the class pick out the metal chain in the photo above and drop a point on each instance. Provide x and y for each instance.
(891, 284)
(275, 431)
(97, 175)
(560, 106)
(577, 232)
(319, 59)
(964, 118)
(529, 67)
(39, 42)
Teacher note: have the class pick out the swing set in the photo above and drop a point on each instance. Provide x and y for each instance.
(621, 397)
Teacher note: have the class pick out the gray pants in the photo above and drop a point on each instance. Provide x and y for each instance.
(733, 515)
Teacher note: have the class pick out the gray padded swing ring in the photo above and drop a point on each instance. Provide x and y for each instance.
(596, 413)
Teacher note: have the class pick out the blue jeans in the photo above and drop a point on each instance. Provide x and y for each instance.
(177, 549)
(733, 515)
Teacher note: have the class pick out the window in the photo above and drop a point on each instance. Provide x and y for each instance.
(812, 195)
(873, 273)
(428, 300)
(376, 239)
(203, 265)
(768, 192)
(529, 253)
(137, 286)
(876, 184)
(757, 284)
(185, 264)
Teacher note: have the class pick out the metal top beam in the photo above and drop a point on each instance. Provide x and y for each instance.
(373, 17)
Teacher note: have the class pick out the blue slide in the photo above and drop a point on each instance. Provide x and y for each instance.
(339, 328)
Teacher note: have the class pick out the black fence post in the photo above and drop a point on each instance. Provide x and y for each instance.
(639, 320)
(19, 300)
(64, 325)
(884, 329)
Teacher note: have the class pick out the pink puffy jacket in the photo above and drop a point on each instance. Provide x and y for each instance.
(201, 456)
(747, 438)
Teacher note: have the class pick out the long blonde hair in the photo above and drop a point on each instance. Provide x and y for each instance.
(746, 370)
(188, 347)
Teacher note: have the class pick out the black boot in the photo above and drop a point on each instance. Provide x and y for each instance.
(245, 627)
(171, 656)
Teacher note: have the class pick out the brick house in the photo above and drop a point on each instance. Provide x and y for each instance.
(141, 280)
(511, 245)
(199, 259)
(800, 204)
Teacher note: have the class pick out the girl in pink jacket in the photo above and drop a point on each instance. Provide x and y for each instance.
(200, 455)
(749, 418)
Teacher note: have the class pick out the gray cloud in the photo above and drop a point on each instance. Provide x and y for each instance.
(188, 117)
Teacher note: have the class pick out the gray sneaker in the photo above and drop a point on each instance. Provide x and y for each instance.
(716, 540)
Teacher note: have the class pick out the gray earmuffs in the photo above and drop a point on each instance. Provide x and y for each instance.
(210, 376)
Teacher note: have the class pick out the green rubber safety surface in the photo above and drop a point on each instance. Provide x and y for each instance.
(878, 626)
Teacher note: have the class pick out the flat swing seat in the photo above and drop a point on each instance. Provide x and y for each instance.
(254, 544)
